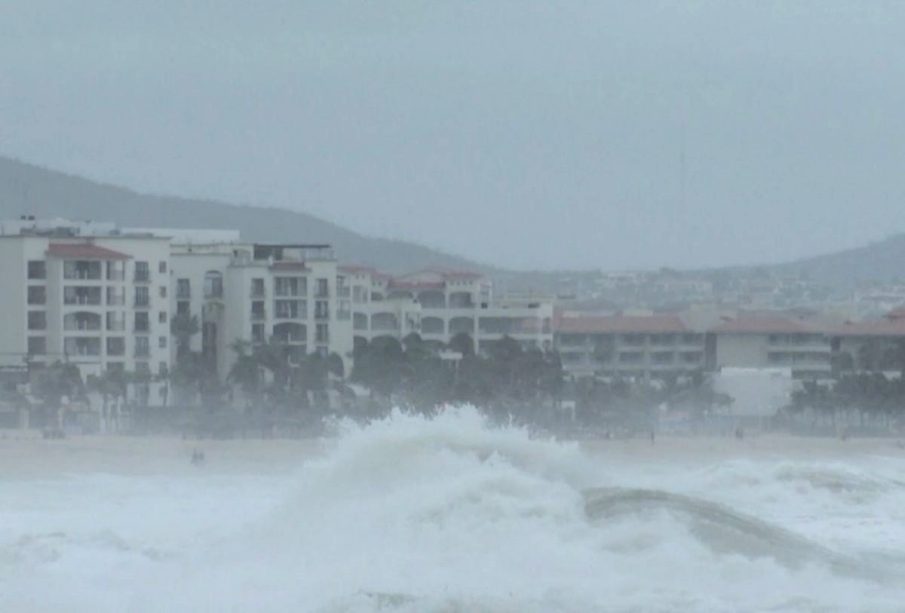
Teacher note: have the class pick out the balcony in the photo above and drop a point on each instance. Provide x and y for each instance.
(82, 271)
(82, 322)
(259, 315)
(142, 276)
(82, 347)
(82, 296)
(142, 302)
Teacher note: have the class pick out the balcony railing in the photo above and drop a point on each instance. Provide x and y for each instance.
(142, 276)
(82, 300)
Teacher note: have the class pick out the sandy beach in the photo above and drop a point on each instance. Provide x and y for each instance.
(27, 454)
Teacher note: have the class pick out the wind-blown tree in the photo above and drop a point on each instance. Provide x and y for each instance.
(380, 365)
(246, 372)
(463, 343)
(193, 376)
(112, 384)
(52, 383)
(183, 327)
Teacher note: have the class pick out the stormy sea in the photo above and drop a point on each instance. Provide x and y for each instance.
(454, 514)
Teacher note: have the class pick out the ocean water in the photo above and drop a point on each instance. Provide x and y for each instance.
(450, 514)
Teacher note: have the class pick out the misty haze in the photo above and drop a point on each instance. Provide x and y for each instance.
(498, 306)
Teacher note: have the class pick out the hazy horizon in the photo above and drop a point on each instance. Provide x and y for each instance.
(517, 134)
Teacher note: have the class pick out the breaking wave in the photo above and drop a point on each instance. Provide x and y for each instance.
(454, 514)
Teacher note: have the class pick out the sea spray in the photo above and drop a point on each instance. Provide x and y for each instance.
(453, 514)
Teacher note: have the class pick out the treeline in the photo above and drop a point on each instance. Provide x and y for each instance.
(872, 397)
(413, 373)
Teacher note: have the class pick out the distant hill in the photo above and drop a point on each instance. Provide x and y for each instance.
(880, 261)
(29, 189)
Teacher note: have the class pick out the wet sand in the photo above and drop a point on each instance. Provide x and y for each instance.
(25, 454)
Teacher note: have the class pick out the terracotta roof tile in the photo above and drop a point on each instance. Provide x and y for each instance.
(83, 251)
(590, 324)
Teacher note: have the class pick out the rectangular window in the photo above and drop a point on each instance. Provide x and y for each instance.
(257, 333)
(162, 317)
(82, 346)
(257, 310)
(37, 269)
(37, 320)
(116, 322)
(257, 288)
(116, 270)
(82, 269)
(286, 309)
(323, 288)
(163, 291)
(116, 346)
(37, 294)
(37, 345)
(162, 268)
(82, 295)
(344, 311)
(321, 309)
(142, 347)
(289, 286)
(142, 296)
(142, 323)
(162, 342)
(321, 333)
(183, 289)
(183, 307)
(142, 272)
(116, 296)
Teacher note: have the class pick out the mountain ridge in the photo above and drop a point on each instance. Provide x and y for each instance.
(29, 189)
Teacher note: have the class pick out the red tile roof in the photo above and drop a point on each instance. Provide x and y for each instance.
(589, 324)
(83, 251)
(764, 325)
(889, 326)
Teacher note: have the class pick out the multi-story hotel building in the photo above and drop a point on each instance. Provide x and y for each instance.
(653, 346)
(636, 346)
(438, 305)
(258, 292)
(86, 294)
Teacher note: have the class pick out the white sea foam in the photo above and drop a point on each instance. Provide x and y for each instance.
(450, 514)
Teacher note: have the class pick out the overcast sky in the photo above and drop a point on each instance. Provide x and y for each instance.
(517, 133)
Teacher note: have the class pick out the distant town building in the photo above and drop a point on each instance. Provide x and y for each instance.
(638, 346)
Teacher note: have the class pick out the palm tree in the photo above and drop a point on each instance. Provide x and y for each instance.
(246, 371)
(183, 327)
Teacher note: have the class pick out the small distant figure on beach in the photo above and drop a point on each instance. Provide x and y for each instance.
(740, 433)
(653, 437)
(197, 457)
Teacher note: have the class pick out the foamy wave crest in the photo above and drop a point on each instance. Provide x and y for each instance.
(452, 513)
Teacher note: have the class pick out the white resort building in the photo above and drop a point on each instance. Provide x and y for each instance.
(439, 305)
(87, 294)
(257, 292)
